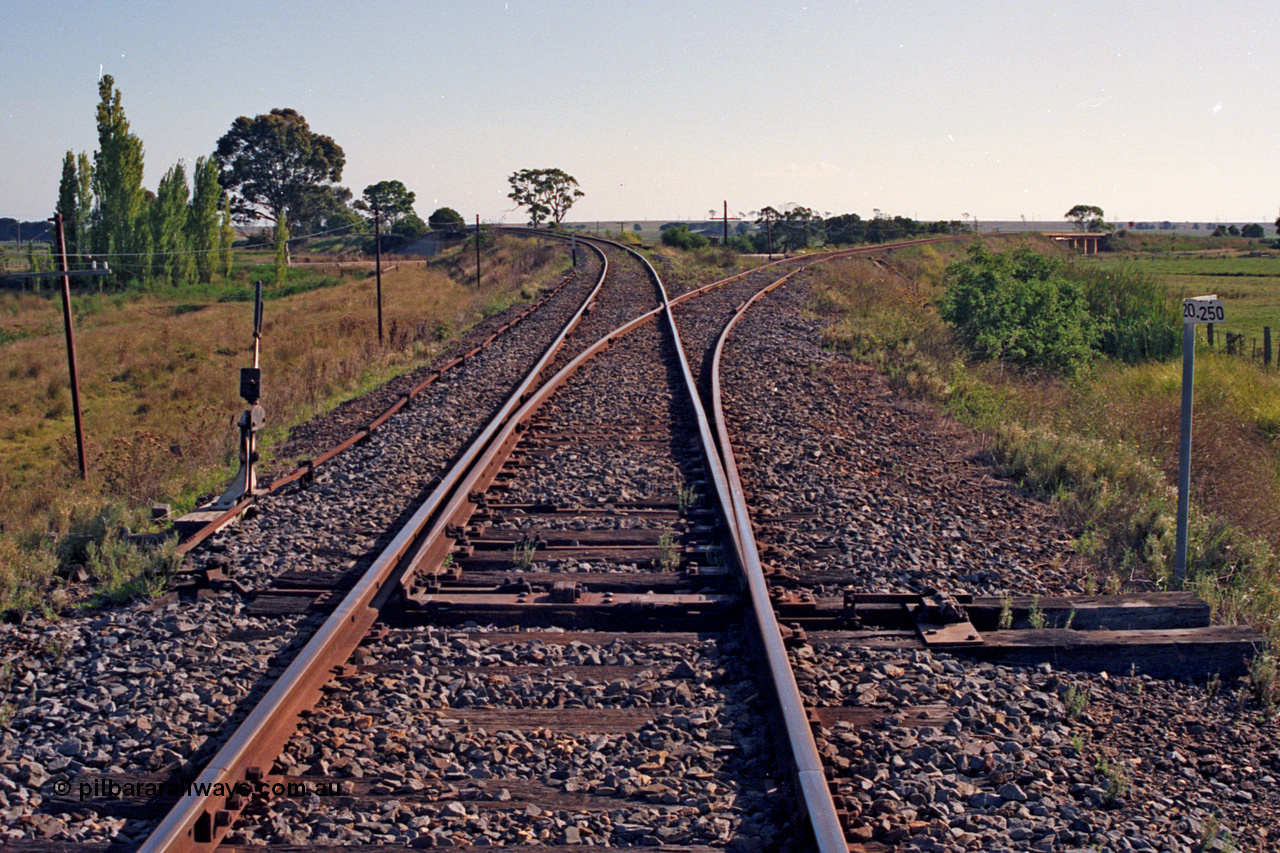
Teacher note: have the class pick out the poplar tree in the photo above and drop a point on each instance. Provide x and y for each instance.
(226, 234)
(84, 204)
(204, 228)
(282, 251)
(169, 226)
(118, 226)
(75, 202)
(67, 203)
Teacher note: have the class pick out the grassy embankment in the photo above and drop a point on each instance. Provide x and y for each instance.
(1103, 445)
(159, 378)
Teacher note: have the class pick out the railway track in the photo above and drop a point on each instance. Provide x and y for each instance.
(575, 638)
(623, 534)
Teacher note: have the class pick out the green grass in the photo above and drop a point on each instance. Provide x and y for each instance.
(1249, 286)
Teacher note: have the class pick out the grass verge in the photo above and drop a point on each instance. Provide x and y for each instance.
(1102, 447)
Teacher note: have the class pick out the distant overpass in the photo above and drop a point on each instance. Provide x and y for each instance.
(1086, 242)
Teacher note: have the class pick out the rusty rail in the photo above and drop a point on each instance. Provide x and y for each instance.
(308, 467)
(198, 821)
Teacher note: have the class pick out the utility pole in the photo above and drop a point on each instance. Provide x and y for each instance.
(477, 251)
(71, 347)
(377, 264)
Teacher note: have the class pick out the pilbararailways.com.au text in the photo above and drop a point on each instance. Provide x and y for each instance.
(110, 789)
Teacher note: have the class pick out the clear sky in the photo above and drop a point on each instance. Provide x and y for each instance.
(661, 110)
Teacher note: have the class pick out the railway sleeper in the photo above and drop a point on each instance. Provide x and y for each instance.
(574, 609)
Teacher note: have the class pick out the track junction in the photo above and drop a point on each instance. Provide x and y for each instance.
(571, 589)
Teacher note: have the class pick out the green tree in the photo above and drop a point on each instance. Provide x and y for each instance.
(682, 238)
(409, 226)
(1087, 217)
(118, 226)
(274, 164)
(282, 251)
(326, 210)
(390, 198)
(226, 235)
(1253, 230)
(169, 227)
(84, 204)
(446, 219)
(69, 206)
(846, 229)
(545, 193)
(203, 226)
(797, 228)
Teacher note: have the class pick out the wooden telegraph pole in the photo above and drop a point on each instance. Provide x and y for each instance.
(377, 263)
(71, 346)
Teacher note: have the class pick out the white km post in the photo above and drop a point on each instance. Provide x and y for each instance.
(1195, 310)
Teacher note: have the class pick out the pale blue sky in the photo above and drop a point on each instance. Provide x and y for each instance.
(1152, 110)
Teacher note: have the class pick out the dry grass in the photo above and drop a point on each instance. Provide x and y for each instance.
(1103, 447)
(160, 383)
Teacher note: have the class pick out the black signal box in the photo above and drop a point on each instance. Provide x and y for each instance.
(251, 384)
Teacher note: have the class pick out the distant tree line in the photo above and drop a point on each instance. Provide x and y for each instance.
(795, 228)
(268, 169)
(11, 230)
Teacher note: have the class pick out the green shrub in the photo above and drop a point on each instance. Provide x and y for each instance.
(1036, 311)
(682, 238)
(1140, 321)
(1020, 308)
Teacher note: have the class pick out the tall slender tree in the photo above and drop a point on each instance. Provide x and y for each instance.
(67, 207)
(117, 179)
(204, 230)
(75, 202)
(169, 226)
(84, 204)
(226, 234)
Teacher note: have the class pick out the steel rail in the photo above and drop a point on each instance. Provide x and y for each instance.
(197, 822)
(823, 816)
(301, 471)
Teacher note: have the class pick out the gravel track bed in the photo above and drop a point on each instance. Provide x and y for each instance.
(1032, 759)
(628, 292)
(70, 683)
(859, 489)
(697, 770)
(900, 498)
(701, 320)
(627, 388)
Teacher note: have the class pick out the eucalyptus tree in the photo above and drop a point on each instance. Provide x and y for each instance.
(391, 199)
(273, 163)
(545, 193)
(1087, 217)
